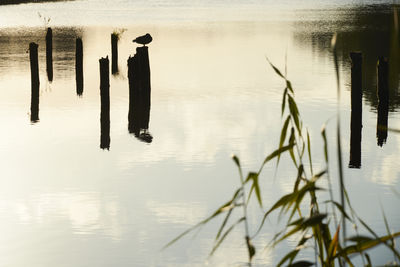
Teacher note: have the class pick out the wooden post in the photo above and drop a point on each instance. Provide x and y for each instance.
(383, 96)
(49, 54)
(356, 110)
(105, 104)
(132, 65)
(139, 94)
(34, 63)
(114, 53)
(79, 67)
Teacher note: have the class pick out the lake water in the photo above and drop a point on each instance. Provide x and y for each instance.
(64, 201)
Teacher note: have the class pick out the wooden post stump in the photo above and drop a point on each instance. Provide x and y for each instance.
(139, 94)
(79, 67)
(105, 104)
(114, 53)
(49, 54)
(34, 63)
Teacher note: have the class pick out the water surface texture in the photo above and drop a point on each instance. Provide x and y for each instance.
(65, 201)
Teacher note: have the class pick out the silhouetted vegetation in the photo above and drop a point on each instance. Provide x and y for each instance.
(318, 227)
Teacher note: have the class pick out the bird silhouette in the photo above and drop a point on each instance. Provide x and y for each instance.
(144, 39)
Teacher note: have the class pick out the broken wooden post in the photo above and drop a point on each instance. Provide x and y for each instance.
(49, 54)
(139, 94)
(356, 110)
(383, 96)
(114, 53)
(34, 63)
(79, 67)
(105, 104)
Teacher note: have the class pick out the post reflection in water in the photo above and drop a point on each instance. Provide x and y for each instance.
(105, 104)
(383, 104)
(371, 31)
(356, 110)
(139, 94)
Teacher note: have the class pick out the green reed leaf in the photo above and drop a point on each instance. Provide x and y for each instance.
(236, 160)
(300, 172)
(277, 71)
(359, 238)
(292, 139)
(323, 133)
(368, 260)
(301, 264)
(276, 153)
(284, 101)
(221, 228)
(365, 244)
(283, 135)
(224, 208)
(250, 248)
(341, 209)
(255, 186)
(295, 114)
(219, 242)
(309, 152)
(303, 225)
(383, 240)
(290, 256)
(333, 245)
(289, 86)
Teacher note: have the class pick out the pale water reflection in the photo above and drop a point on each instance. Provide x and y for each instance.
(66, 202)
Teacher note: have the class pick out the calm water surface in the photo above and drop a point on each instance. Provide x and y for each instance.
(66, 202)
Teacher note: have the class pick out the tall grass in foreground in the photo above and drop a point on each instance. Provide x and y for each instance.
(315, 229)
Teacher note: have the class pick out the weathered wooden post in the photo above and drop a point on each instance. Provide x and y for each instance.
(139, 94)
(356, 110)
(34, 63)
(105, 103)
(114, 53)
(49, 54)
(79, 67)
(383, 96)
(133, 84)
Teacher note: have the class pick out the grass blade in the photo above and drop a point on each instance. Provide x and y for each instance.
(283, 135)
(275, 154)
(219, 242)
(277, 71)
(309, 152)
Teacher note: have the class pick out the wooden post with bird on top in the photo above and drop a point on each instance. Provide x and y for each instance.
(140, 90)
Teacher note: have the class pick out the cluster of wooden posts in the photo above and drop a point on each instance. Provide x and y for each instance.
(356, 106)
(139, 86)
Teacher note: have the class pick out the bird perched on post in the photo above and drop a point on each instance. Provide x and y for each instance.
(144, 39)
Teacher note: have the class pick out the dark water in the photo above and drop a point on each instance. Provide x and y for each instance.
(65, 201)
